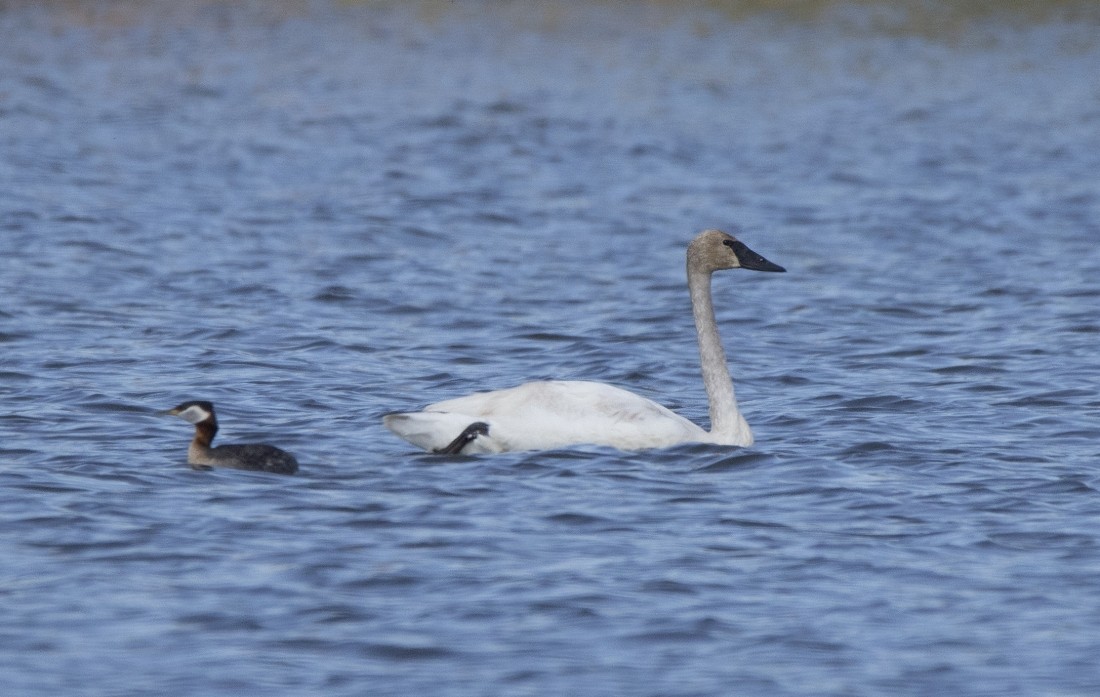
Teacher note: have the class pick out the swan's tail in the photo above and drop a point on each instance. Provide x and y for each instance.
(431, 430)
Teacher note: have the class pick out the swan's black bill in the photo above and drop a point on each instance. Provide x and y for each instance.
(750, 259)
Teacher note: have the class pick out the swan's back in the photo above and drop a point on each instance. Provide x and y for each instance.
(546, 415)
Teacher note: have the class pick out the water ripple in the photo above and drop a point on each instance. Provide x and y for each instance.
(313, 214)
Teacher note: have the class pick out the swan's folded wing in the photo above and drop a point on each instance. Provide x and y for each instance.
(553, 414)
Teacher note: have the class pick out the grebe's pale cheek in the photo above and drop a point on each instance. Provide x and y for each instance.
(194, 414)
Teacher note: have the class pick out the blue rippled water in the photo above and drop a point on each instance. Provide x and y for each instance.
(313, 213)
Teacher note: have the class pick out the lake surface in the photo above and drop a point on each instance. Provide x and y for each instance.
(316, 213)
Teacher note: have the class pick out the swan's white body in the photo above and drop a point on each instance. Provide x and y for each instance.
(554, 414)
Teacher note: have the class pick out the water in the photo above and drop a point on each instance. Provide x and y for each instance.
(313, 214)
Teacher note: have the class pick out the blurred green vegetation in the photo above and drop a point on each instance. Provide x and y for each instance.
(898, 17)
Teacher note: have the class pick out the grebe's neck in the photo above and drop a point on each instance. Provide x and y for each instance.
(205, 432)
(198, 453)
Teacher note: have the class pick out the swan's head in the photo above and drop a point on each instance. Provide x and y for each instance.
(713, 250)
(193, 412)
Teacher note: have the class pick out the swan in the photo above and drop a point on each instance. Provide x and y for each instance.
(553, 414)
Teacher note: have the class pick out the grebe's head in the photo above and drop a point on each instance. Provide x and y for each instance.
(193, 412)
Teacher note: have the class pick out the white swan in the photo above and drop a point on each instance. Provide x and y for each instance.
(553, 414)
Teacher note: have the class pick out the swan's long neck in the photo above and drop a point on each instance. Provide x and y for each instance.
(727, 426)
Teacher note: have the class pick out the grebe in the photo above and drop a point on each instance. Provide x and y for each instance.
(554, 414)
(250, 456)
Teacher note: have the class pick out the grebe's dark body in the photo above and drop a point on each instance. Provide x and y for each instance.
(250, 456)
